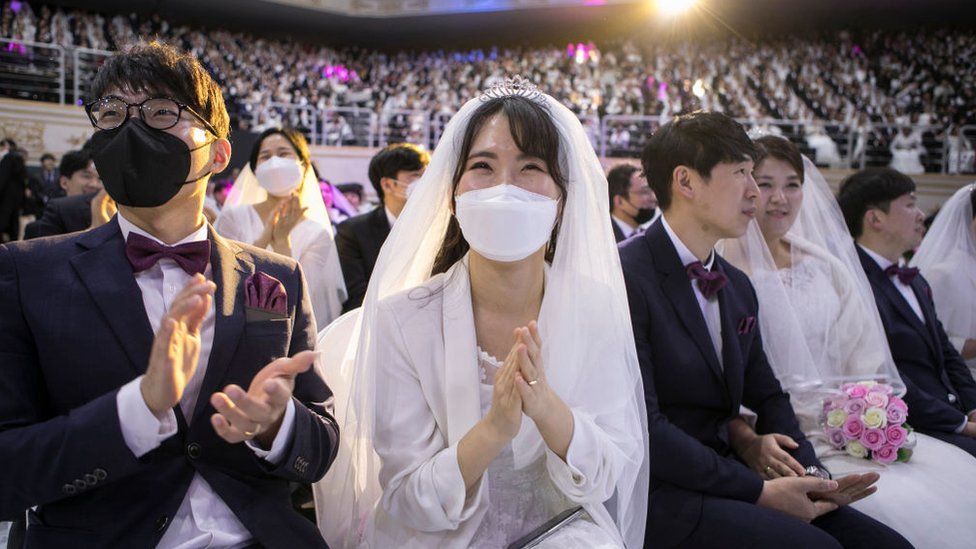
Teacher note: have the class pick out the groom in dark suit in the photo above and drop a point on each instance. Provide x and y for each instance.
(880, 211)
(154, 378)
(701, 356)
(359, 239)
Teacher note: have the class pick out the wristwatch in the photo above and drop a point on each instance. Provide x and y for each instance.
(818, 471)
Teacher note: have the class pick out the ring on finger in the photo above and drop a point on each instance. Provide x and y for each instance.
(252, 434)
(533, 382)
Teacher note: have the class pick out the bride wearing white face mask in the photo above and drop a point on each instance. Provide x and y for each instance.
(496, 383)
(276, 204)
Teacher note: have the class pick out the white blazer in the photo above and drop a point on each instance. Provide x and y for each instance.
(428, 397)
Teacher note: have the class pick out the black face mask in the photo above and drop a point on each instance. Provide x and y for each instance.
(139, 166)
(643, 214)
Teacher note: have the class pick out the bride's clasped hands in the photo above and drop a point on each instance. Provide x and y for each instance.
(521, 387)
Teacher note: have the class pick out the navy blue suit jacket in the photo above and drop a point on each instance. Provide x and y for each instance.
(63, 215)
(73, 330)
(928, 363)
(690, 397)
(618, 234)
(358, 241)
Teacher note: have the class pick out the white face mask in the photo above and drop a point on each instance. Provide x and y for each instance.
(505, 222)
(279, 176)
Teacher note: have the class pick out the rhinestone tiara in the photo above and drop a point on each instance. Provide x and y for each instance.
(515, 85)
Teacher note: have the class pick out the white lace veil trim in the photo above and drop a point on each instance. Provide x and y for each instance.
(946, 259)
(585, 313)
(246, 190)
(819, 232)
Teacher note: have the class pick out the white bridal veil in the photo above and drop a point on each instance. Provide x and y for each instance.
(584, 308)
(947, 259)
(246, 190)
(813, 363)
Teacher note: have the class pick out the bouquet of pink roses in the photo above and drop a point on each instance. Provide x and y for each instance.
(868, 421)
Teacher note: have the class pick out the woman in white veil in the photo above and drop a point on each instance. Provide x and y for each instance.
(276, 204)
(821, 329)
(420, 377)
(947, 259)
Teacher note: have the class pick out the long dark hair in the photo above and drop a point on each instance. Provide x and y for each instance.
(294, 138)
(535, 134)
(778, 148)
(972, 201)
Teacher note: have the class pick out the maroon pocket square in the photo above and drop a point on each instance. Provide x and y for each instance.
(264, 297)
(747, 324)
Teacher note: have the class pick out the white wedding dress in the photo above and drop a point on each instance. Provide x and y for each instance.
(524, 499)
(924, 499)
(311, 245)
(906, 153)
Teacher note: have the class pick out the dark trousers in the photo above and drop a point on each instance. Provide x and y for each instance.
(727, 523)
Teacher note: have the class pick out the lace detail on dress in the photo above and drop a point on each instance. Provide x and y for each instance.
(810, 291)
(521, 500)
(487, 367)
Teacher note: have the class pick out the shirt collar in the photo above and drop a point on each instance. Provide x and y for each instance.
(882, 262)
(623, 226)
(128, 227)
(687, 258)
(389, 216)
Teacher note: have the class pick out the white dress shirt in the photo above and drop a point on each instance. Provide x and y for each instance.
(203, 520)
(904, 289)
(709, 307)
(626, 229)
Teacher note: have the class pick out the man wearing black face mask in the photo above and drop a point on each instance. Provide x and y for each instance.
(632, 202)
(159, 372)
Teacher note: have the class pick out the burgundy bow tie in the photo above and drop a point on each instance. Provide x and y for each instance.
(145, 252)
(905, 274)
(709, 282)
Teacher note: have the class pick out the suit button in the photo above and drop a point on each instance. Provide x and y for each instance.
(161, 523)
(952, 398)
(80, 484)
(193, 450)
(90, 480)
(100, 473)
(69, 489)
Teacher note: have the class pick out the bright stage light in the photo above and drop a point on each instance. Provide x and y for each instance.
(674, 7)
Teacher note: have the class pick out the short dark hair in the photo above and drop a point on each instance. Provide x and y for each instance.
(355, 188)
(869, 189)
(156, 68)
(618, 180)
(535, 134)
(10, 143)
(398, 157)
(47, 156)
(294, 137)
(771, 146)
(74, 161)
(699, 140)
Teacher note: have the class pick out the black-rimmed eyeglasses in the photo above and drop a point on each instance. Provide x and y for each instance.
(160, 113)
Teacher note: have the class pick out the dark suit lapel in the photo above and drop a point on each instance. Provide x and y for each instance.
(380, 226)
(924, 302)
(899, 302)
(229, 271)
(730, 309)
(107, 275)
(676, 286)
(618, 234)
